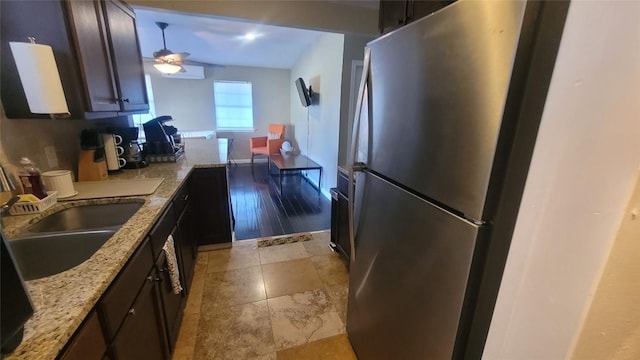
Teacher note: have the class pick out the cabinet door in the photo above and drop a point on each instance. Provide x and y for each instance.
(89, 35)
(121, 294)
(142, 334)
(88, 342)
(172, 304)
(125, 52)
(393, 14)
(417, 9)
(161, 230)
(343, 242)
(44, 20)
(212, 205)
(187, 244)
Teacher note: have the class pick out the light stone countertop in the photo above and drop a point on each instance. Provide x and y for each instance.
(62, 301)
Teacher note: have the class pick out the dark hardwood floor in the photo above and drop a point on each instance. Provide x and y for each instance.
(260, 210)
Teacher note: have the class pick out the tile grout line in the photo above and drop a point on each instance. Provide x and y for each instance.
(266, 298)
(323, 288)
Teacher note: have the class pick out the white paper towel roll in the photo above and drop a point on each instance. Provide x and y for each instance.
(40, 78)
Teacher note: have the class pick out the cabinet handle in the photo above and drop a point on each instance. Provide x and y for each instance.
(125, 100)
(149, 278)
(186, 197)
(132, 311)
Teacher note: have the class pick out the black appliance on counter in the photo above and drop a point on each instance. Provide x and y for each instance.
(133, 153)
(160, 137)
(163, 143)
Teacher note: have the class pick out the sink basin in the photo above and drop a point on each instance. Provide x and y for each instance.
(68, 238)
(86, 218)
(45, 255)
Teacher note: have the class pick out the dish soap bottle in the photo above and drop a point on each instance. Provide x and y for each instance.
(31, 179)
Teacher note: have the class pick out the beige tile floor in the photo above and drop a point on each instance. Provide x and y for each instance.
(279, 302)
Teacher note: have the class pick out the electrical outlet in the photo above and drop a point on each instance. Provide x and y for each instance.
(52, 158)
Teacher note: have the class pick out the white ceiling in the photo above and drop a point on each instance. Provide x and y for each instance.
(217, 41)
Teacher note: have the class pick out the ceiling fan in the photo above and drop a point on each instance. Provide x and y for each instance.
(169, 62)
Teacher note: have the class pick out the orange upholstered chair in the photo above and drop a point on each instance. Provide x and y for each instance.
(270, 144)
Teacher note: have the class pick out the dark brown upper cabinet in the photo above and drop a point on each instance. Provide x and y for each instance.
(395, 13)
(125, 55)
(96, 48)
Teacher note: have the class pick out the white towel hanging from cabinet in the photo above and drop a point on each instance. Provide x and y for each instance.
(172, 265)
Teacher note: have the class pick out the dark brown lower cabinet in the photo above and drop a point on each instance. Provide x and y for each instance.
(187, 245)
(117, 300)
(210, 195)
(340, 224)
(151, 324)
(88, 342)
(172, 304)
(139, 316)
(142, 334)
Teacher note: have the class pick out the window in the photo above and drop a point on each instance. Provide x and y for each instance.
(234, 105)
(139, 119)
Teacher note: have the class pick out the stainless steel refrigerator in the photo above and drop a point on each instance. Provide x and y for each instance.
(445, 127)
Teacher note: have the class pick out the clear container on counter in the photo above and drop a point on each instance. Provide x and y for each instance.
(31, 179)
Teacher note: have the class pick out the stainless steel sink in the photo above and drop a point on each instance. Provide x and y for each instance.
(86, 218)
(48, 254)
(68, 238)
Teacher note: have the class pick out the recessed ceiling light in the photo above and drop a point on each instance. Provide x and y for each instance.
(250, 36)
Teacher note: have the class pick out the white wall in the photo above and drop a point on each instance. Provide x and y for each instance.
(581, 177)
(320, 67)
(353, 51)
(611, 329)
(190, 102)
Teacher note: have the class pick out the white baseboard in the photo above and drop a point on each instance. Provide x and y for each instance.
(248, 161)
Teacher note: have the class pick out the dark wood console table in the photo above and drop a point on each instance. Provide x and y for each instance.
(286, 163)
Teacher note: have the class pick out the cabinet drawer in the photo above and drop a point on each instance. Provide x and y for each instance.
(88, 343)
(180, 200)
(343, 182)
(118, 299)
(162, 230)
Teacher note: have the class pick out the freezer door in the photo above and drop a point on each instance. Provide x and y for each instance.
(438, 92)
(407, 283)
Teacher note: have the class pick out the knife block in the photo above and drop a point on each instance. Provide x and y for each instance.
(92, 166)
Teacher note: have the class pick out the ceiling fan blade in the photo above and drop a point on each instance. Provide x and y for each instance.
(174, 57)
(203, 64)
(162, 53)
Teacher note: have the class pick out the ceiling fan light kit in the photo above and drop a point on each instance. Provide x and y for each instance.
(167, 68)
(167, 62)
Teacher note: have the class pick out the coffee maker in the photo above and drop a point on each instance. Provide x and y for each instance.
(133, 154)
(161, 139)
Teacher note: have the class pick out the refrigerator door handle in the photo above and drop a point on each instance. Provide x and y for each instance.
(353, 165)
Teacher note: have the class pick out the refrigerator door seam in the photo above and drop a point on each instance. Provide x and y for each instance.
(353, 166)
